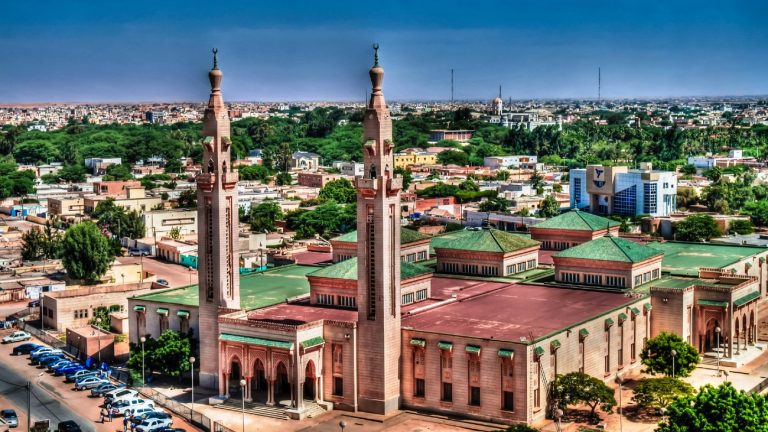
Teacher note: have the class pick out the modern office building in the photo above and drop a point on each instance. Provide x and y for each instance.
(622, 191)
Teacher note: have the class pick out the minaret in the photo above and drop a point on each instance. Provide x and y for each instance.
(378, 257)
(219, 285)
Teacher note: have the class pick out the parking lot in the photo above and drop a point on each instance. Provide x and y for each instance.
(52, 398)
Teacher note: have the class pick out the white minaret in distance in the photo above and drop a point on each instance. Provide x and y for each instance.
(217, 217)
(378, 257)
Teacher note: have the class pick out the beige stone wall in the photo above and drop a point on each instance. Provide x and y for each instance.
(149, 321)
(483, 261)
(60, 306)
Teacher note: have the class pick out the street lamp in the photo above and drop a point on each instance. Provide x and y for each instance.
(98, 328)
(717, 348)
(192, 362)
(620, 380)
(122, 275)
(143, 376)
(190, 274)
(674, 354)
(261, 258)
(242, 395)
(342, 425)
(558, 416)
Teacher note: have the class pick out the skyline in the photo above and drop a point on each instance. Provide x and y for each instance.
(305, 52)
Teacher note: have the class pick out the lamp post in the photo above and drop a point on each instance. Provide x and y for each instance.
(674, 354)
(190, 274)
(717, 348)
(122, 275)
(261, 258)
(342, 425)
(620, 380)
(98, 329)
(242, 395)
(192, 362)
(558, 416)
(143, 376)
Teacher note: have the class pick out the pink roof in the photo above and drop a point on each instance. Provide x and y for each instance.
(301, 313)
(516, 311)
(312, 257)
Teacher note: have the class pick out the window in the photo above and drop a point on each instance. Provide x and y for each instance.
(655, 274)
(638, 280)
(450, 267)
(592, 279)
(163, 324)
(474, 396)
(338, 386)
(324, 299)
(650, 198)
(577, 191)
(508, 401)
(421, 294)
(537, 384)
(581, 356)
(553, 361)
(184, 325)
(407, 299)
(346, 301)
(607, 337)
(625, 201)
(418, 390)
(422, 256)
(615, 281)
(447, 395)
(521, 267)
(531, 264)
(569, 277)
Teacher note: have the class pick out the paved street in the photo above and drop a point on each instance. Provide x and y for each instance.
(52, 398)
(176, 275)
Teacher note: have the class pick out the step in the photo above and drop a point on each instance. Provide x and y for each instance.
(255, 409)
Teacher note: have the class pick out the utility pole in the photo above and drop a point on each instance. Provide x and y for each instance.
(29, 405)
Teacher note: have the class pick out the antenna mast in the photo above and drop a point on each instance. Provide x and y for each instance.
(451, 85)
(599, 82)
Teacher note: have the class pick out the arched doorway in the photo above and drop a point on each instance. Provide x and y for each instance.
(710, 340)
(259, 386)
(745, 333)
(282, 386)
(310, 379)
(235, 375)
(752, 328)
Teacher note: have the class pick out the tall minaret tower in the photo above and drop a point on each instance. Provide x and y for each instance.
(378, 257)
(219, 286)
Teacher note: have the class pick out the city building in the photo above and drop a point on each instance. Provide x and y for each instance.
(99, 166)
(76, 307)
(159, 223)
(485, 251)
(414, 246)
(571, 228)
(409, 157)
(460, 135)
(305, 161)
(316, 179)
(610, 190)
(115, 187)
(735, 157)
(66, 207)
(514, 162)
(351, 169)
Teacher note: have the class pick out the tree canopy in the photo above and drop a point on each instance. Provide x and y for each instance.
(86, 252)
(118, 221)
(657, 355)
(169, 354)
(696, 228)
(341, 191)
(549, 207)
(660, 392)
(578, 387)
(263, 216)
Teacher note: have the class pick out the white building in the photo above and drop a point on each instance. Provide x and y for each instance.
(516, 162)
(735, 157)
(621, 191)
(353, 169)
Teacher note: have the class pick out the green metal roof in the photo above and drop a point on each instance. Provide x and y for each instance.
(406, 236)
(183, 314)
(139, 308)
(623, 317)
(717, 303)
(472, 349)
(347, 269)
(256, 341)
(256, 291)
(577, 220)
(746, 299)
(608, 322)
(555, 344)
(682, 258)
(162, 311)
(445, 345)
(315, 341)
(647, 306)
(583, 332)
(418, 342)
(635, 311)
(506, 353)
(610, 248)
(483, 240)
(539, 351)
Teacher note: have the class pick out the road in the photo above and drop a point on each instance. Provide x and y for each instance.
(176, 275)
(52, 398)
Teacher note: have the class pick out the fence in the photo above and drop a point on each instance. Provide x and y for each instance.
(196, 418)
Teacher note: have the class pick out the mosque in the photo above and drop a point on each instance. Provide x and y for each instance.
(479, 333)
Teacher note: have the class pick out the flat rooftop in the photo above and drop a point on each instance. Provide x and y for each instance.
(681, 258)
(516, 311)
(256, 290)
(301, 313)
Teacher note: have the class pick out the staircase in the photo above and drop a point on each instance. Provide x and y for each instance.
(313, 409)
(255, 408)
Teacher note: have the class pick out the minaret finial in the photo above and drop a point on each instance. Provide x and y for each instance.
(375, 55)
(215, 59)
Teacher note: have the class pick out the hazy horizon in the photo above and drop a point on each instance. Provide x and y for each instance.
(159, 52)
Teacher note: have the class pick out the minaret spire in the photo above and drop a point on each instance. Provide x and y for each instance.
(215, 59)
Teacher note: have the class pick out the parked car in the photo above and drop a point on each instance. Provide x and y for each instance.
(34, 304)
(120, 393)
(25, 348)
(102, 389)
(137, 252)
(17, 336)
(46, 358)
(129, 405)
(82, 373)
(142, 413)
(163, 282)
(68, 426)
(44, 351)
(65, 370)
(89, 382)
(61, 363)
(125, 396)
(153, 424)
(171, 429)
(156, 413)
(9, 417)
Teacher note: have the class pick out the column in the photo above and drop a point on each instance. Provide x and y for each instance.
(248, 397)
(224, 385)
(270, 392)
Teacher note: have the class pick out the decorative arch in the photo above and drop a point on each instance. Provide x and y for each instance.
(234, 358)
(752, 327)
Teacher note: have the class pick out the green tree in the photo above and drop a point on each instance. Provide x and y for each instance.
(549, 207)
(34, 246)
(102, 317)
(327, 220)
(741, 227)
(169, 354)
(660, 392)
(187, 199)
(283, 179)
(657, 355)
(119, 222)
(697, 228)
(497, 204)
(521, 428)
(254, 172)
(688, 169)
(175, 233)
(340, 190)
(453, 157)
(537, 180)
(264, 216)
(577, 387)
(86, 252)
(118, 172)
(35, 151)
(406, 175)
(717, 409)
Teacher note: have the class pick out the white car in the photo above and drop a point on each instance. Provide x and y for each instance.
(124, 406)
(121, 393)
(90, 382)
(153, 424)
(17, 336)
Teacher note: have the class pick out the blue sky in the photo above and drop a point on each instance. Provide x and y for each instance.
(142, 50)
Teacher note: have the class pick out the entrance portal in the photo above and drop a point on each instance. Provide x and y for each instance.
(259, 387)
(309, 381)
